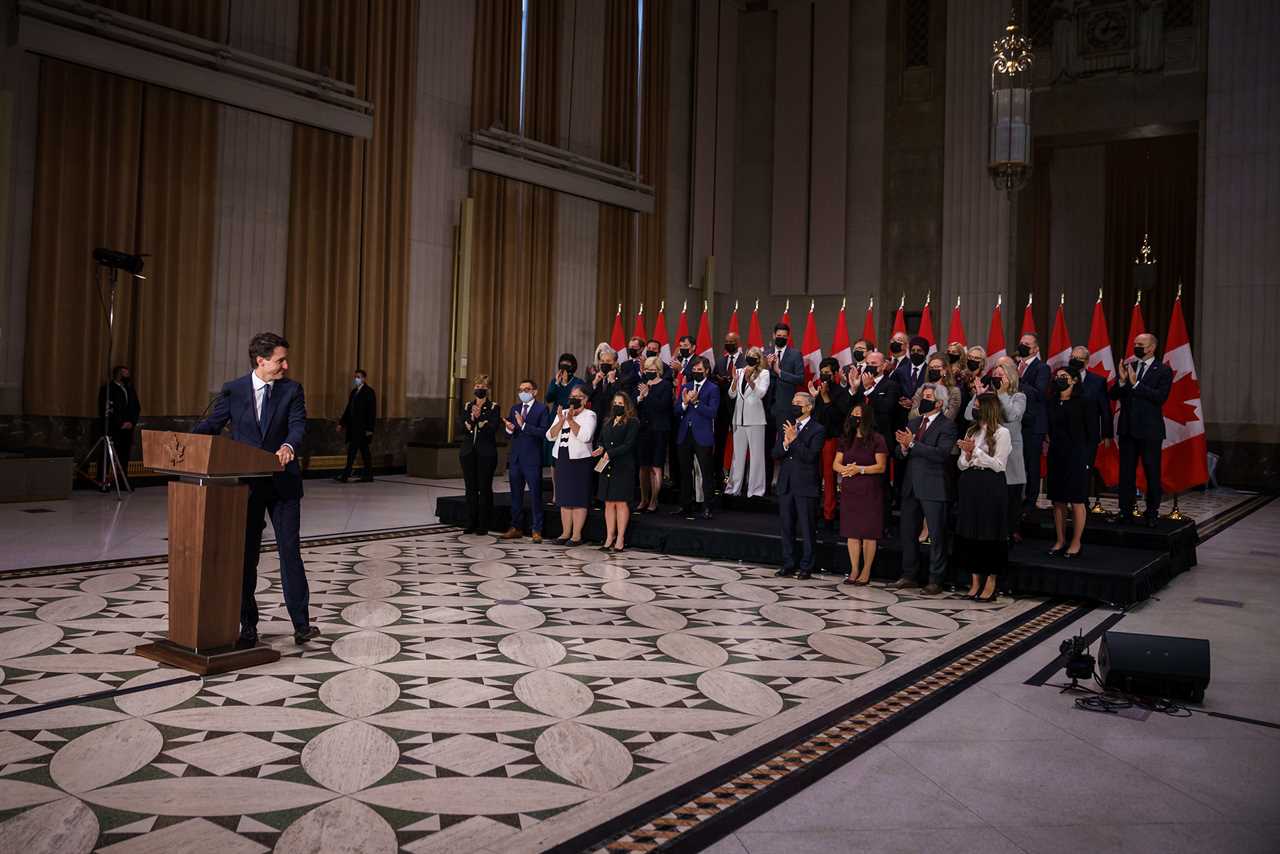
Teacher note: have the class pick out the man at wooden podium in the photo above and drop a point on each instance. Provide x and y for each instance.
(266, 409)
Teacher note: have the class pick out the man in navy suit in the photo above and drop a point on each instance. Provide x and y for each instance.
(266, 409)
(797, 451)
(786, 366)
(910, 372)
(526, 424)
(1142, 386)
(1034, 383)
(1093, 388)
(926, 442)
(696, 408)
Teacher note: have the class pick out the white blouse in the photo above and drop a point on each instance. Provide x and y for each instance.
(983, 456)
(580, 445)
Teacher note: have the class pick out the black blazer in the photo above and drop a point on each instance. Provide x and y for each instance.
(798, 465)
(655, 409)
(785, 381)
(832, 415)
(619, 442)
(1073, 423)
(1140, 405)
(890, 416)
(125, 407)
(479, 434)
(1035, 386)
(1094, 389)
(361, 414)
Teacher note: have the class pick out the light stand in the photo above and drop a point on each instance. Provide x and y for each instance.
(110, 459)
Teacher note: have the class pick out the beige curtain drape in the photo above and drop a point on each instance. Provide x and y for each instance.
(514, 237)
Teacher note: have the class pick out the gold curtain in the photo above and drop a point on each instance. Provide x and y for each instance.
(87, 163)
(347, 282)
(514, 238)
(615, 276)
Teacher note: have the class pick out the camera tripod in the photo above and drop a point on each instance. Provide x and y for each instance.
(110, 468)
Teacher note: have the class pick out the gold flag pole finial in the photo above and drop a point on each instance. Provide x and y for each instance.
(928, 297)
(684, 307)
(1029, 298)
(811, 306)
(787, 308)
(957, 302)
(902, 302)
(999, 300)
(662, 307)
(1139, 300)
(757, 308)
(1062, 298)
(619, 308)
(871, 303)
(641, 312)
(704, 306)
(735, 306)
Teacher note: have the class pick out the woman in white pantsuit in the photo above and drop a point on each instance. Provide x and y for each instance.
(748, 389)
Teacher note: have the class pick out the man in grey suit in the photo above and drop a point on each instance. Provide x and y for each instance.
(926, 445)
(787, 368)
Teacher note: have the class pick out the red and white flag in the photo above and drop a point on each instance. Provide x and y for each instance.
(900, 319)
(1028, 319)
(754, 336)
(1184, 461)
(639, 332)
(786, 314)
(660, 333)
(1137, 325)
(1059, 340)
(926, 325)
(733, 320)
(995, 337)
(869, 325)
(840, 340)
(618, 339)
(955, 331)
(811, 349)
(1103, 364)
(703, 345)
(682, 327)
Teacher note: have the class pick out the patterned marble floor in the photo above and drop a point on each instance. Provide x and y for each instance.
(469, 695)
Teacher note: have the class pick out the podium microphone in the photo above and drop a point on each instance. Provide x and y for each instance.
(219, 396)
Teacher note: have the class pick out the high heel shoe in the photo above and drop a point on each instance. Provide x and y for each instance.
(863, 582)
(1074, 554)
(995, 594)
(1057, 551)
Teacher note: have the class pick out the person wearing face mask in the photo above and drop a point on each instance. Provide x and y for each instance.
(653, 402)
(861, 461)
(832, 404)
(853, 371)
(748, 391)
(526, 425)
(937, 372)
(603, 379)
(731, 358)
(1142, 386)
(121, 419)
(1073, 434)
(797, 452)
(786, 365)
(629, 366)
(955, 355)
(878, 388)
(571, 433)
(357, 424)
(911, 370)
(479, 455)
(898, 345)
(1003, 382)
(1033, 378)
(557, 398)
(972, 366)
(681, 363)
(1093, 388)
(926, 444)
(982, 524)
(695, 436)
(618, 439)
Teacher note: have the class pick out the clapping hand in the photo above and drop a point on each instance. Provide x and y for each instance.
(511, 428)
(966, 445)
(814, 386)
(789, 432)
(772, 360)
(690, 396)
(904, 438)
(904, 402)
(597, 452)
(643, 391)
(520, 419)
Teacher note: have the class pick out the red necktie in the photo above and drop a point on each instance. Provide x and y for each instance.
(924, 425)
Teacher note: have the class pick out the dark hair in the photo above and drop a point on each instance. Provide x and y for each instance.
(263, 345)
(700, 360)
(570, 358)
(830, 362)
(653, 341)
(361, 372)
(684, 338)
(781, 327)
(866, 426)
(115, 372)
(988, 418)
(630, 412)
(528, 380)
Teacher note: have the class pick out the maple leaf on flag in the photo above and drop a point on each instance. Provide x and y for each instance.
(1178, 406)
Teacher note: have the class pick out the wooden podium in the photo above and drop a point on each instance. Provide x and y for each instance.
(208, 506)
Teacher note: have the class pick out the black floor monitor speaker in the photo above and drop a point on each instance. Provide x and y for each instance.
(1155, 665)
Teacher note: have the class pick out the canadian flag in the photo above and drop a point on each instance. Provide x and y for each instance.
(703, 346)
(1103, 364)
(660, 333)
(1059, 340)
(811, 349)
(618, 340)
(733, 320)
(1184, 460)
(995, 337)
(682, 329)
(869, 325)
(754, 336)
(639, 332)
(840, 340)
(900, 319)
(1028, 319)
(955, 331)
(926, 325)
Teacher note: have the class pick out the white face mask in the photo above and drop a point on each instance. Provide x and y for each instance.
(357, 382)
(526, 396)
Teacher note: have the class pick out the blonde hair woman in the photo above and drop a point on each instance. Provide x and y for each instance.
(653, 404)
(1003, 381)
(748, 388)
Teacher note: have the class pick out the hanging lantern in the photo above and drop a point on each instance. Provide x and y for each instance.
(1009, 162)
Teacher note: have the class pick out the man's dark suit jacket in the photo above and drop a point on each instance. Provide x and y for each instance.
(1141, 405)
(798, 465)
(1034, 384)
(285, 417)
(783, 384)
(1094, 389)
(125, 407)
(361, 414)
(527, 441)
(890, 417)
(926, 477)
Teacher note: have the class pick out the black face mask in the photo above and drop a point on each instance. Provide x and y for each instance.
(619, 409)
(917, 359)
(1061, 383)
(796, 411)
(753, 360)
(633, 352)
(565, 366)
(1024, 350)
(854, 420)
(926, 406)
(575, 403)
(650, 375)
(651, 354)
(934, 375)
(1075, 364)
(1139, 352)
(698, 376)
(993, 383)
(859, 355)
(684, 352)
(953, 358)
(826, 376)
(606, 367)
(973, 364)
(482, 393)
(779, 341)
(895, 347)
(730, 348)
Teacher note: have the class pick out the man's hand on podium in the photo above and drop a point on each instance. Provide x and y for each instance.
(284, 455)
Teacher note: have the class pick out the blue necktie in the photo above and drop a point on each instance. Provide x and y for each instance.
(266, 399)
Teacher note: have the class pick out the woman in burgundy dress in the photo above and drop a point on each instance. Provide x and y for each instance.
(860, 461)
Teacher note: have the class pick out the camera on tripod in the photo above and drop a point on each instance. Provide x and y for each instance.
(1079, 661)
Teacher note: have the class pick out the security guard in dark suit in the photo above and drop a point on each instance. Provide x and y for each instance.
(357, 422)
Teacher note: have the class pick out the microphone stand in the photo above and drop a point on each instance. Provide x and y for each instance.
(110, 462)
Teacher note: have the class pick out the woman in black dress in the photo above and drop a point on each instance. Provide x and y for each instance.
(982, 529)
(571, 434)
(860, 462)
(1072, 434)
(653, 402)
(619, 431)
(479, 455)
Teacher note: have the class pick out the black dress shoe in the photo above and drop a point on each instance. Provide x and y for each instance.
(786, 573)
(301, 636)
(706, 513)
(1057, 552)
(804, 575)
(1070, 555)
(248, 638)
(341, 479)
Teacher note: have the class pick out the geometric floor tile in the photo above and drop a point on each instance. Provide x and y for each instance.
(231, 753)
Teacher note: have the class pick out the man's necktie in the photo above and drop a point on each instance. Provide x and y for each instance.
(1142, 370)
(266, 398)
(915, 376)
(924, 425)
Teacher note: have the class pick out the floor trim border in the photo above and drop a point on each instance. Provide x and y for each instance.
(1220, 522)
(715, 804)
